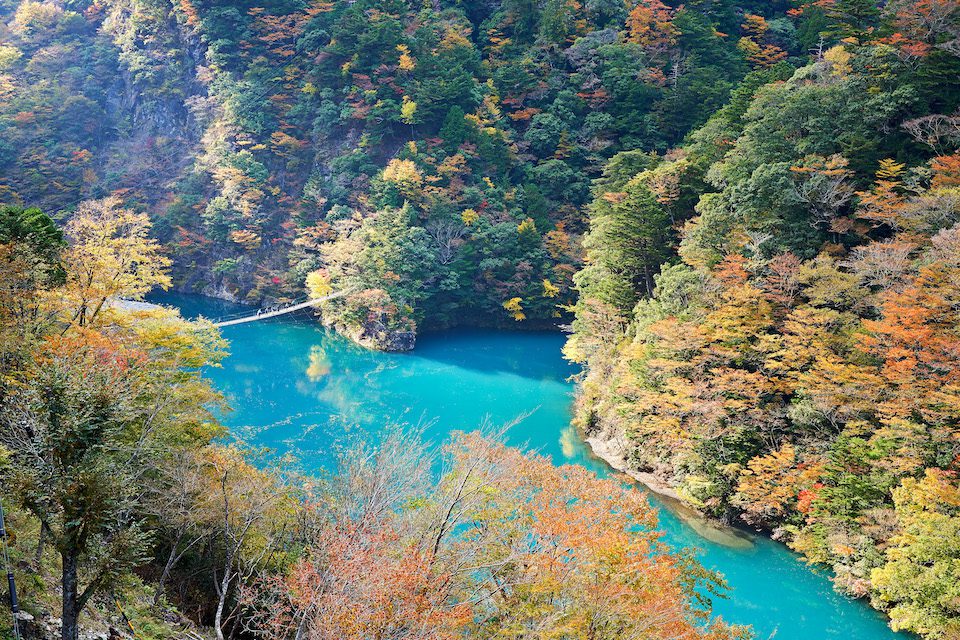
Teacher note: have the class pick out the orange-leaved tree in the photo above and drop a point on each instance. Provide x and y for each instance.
(503, 544)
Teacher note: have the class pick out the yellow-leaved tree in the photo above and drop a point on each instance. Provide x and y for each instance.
(408, 110)
(514, 306)
(919, 586)
(111, 256)
(318, 283)
(405, 176)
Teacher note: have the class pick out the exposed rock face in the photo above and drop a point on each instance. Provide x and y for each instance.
(612, 448)
(221, 291)
(379, 339)
(102, 622)
(400, 341)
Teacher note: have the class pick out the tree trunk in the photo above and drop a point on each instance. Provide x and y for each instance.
(70, 629)
(162, 581)
(38, 555)
(172, 559)
(222, 595)
(218, 619)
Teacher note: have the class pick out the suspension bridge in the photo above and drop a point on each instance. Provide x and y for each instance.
(246, 317)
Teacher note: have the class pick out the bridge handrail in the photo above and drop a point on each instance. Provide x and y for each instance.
(246, 312)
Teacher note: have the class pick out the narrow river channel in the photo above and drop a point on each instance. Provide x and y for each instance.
(294, 385)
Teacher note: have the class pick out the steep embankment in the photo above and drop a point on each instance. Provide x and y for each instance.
(797, 368)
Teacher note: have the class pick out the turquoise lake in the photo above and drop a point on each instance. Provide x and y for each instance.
(292, 384)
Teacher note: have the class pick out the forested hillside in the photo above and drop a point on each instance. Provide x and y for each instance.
(749, 210)
(434, 157)
(769, 313)
(131, 514)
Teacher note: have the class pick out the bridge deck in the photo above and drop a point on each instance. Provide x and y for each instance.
(280, 312)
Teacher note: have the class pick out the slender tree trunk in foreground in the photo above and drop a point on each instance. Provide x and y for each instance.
(70, 629)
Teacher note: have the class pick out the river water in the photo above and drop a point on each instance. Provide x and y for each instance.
(295, 386)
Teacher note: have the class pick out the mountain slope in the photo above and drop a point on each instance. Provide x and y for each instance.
(266, 138)
(796, 365)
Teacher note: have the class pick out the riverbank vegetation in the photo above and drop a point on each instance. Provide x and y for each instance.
(122, 490)
(768, 314)
(748, 209)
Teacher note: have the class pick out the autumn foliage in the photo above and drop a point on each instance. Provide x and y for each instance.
(504, 543)
(797, 368)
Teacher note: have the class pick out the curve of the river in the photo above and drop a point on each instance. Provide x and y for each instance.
(292, 384)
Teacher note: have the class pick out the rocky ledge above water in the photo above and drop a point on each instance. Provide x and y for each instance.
(377, 338)
(612, 449)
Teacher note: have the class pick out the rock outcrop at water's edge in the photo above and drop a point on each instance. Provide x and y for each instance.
(377, 338)
(612, 449)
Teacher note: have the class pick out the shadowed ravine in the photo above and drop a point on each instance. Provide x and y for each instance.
(293, 384)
